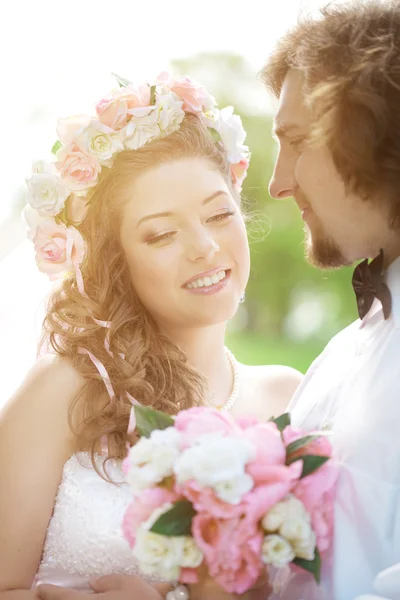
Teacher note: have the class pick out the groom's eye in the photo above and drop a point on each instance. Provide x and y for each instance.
(297, 143)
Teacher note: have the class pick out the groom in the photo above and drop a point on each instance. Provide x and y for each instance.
(337, 79)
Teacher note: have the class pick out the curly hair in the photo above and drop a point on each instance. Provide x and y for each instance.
(350, 62)
(144, 363)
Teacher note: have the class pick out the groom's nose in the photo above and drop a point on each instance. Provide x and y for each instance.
(283, 182)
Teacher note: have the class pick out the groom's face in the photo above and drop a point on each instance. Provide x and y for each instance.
(338, 225)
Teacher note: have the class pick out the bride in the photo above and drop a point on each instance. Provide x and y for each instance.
(139, 217)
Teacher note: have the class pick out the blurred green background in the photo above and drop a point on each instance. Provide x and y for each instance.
(291, 309)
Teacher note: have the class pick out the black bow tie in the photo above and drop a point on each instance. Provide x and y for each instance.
(368, 283)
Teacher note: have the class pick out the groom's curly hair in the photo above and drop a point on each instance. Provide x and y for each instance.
(350, 61)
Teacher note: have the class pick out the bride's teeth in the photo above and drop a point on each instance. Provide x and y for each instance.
(207, 281)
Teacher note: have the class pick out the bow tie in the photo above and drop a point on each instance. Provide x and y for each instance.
(368, 283)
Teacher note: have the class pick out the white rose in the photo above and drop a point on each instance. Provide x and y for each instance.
(233, 490)
(192, 556)
(158, 554)
(305, 548)
(31, 219)
(152, 459)
(276, 551)
(218, 462)
(284, 512)
(170, 112)
(275, 517)
(230, 128)
(296, 529)
(46, 192)
(101, 141)
(142, 128)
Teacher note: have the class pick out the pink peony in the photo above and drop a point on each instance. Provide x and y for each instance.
(193, 95)
(232, 550)
(141, 509)
(114, 110)
(59, 249)
(269, 464)
(239, 172)
(204, 499)
(197, 421)
(77, 169)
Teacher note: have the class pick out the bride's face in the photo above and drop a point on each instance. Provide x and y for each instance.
(186, 245)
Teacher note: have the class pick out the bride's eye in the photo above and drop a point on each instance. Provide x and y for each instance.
(161, 239)
(224, 216)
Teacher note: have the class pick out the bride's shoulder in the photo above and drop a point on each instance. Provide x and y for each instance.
(271, 386)
(47, 389)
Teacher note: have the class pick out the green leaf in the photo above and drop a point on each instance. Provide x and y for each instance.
(176, 521)
(300, 443)
(56, 147)
(312, 566)
(282, 421)
(122, 82)
(148, 419)
(310, 463)
(152, 95)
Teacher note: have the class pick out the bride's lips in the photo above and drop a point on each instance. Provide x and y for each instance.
(214, 288)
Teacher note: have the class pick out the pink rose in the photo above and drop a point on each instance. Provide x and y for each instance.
(200, 420)
(193, 95)
(77, 169)
(141, 509)
(68, 129)
(232, 550)
(59, 249)
(114, 110)
(239, 172)
(319, 447)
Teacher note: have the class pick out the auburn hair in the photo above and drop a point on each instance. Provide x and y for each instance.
(144, 362)
(350, 62)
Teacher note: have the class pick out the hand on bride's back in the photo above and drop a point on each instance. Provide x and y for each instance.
(111, 587)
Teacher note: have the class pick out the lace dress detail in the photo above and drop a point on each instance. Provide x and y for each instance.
(84, 538)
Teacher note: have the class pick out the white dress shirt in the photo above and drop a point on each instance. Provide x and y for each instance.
(353, 390)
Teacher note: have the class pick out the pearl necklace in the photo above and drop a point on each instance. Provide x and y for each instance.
(235, 383)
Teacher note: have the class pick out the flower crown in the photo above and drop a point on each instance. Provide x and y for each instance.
(126, 119)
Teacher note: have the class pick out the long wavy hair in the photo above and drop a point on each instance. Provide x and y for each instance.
(349, 58)
(144, 363)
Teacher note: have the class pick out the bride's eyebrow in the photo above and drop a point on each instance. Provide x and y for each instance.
(170, 214)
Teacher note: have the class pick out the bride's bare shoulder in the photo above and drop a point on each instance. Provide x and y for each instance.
(45, 394)
(272, 387)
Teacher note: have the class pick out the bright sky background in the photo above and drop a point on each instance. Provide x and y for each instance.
(56, 61)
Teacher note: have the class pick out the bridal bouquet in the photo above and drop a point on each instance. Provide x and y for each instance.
(229, 495)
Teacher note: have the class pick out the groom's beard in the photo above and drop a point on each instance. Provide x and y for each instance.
(322, 251)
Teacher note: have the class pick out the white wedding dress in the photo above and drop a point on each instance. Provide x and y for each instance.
(84, 538)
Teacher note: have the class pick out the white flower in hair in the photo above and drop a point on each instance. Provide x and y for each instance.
(142, 128)
(46, 191)
(230, 128)
(170, 113)
(101, 141)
